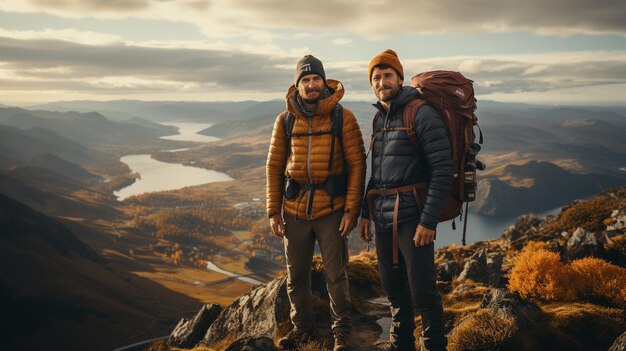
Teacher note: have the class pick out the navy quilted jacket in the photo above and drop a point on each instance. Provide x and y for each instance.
(396, 163)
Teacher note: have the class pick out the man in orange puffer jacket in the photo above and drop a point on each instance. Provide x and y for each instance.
(326, 182)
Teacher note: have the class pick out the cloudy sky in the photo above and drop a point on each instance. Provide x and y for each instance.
(538, 51)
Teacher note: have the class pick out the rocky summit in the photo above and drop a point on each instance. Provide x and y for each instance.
(571, 295)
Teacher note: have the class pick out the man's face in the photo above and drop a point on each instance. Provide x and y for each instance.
(310, 88)
(386, 84)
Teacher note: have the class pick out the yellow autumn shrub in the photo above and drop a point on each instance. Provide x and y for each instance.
(539, 274)
(598, 279)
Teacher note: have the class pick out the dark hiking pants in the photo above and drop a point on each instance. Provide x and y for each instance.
(299, 241)
(411, 289)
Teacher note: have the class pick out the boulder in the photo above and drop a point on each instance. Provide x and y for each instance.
(619, 344)
(254, 314)
(261, 343)
(483, 268)
(617, 221)
(188, 333)
(511, 234)
(528, 224)
(511, 306)
(526, 228)
(447, 271)
(584, 243)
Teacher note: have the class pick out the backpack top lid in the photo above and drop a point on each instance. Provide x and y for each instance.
(447, 88)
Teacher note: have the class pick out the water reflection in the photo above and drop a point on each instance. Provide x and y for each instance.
(159, 176)
(187, 132)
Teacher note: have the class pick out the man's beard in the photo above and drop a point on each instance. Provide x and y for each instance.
(312, 101)
(387, 97)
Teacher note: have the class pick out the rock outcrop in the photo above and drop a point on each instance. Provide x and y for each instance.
(584, 243)
(511, 306)
(257, 313)
(188, 333)
(619, 344)
(483, 268)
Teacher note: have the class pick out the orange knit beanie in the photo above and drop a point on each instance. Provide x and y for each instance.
(388, 58)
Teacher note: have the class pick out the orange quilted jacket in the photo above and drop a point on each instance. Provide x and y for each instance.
(309, 157)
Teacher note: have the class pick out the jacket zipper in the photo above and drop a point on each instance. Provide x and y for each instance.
(308, 168)
(382, 154)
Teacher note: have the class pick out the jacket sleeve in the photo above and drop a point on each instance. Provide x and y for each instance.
(275, 168)
(433, 138)
(365, 210)
(354, 154)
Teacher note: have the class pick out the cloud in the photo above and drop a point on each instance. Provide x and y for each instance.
(70, 35)
(370, 18)
(532, 72)
(342, 41)
(37, 62)
(57, 60)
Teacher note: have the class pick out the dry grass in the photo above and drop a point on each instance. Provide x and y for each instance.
(482, 331)
(580, 326)
(312, 346)
(222, 345)
(589, 215)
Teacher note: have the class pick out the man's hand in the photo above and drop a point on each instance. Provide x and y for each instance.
(364, 230)
(277, 224)
(423, 236)
(348, 222)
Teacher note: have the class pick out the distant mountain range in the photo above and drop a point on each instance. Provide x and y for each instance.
(85, 128)
(532, 186)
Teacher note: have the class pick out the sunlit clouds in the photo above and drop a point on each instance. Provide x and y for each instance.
(247, 49)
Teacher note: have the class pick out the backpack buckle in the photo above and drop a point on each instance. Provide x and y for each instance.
(383, 191)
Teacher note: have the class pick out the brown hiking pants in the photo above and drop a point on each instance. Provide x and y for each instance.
(299, 241)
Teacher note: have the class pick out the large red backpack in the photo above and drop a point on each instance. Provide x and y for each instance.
(452, 95)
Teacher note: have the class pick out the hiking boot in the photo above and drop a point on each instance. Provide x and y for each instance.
(293, 339)
(341, 340)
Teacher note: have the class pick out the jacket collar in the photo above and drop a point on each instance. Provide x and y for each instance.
(397, 104)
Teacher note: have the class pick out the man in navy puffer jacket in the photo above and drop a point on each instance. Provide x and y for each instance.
(404, 227)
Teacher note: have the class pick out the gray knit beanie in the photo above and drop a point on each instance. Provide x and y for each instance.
(309, 65)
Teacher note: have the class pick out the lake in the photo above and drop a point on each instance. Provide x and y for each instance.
(188, 132)
(160, 176)
(479, 228)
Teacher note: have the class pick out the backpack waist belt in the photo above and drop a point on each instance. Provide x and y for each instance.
(335, 185)
(413, 188)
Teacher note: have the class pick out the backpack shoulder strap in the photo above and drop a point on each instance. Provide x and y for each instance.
(408, 117)
(336, 118)
(288, 121)
(336, 129)
(374, 131)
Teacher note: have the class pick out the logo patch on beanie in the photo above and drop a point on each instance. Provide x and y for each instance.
(306, 67)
